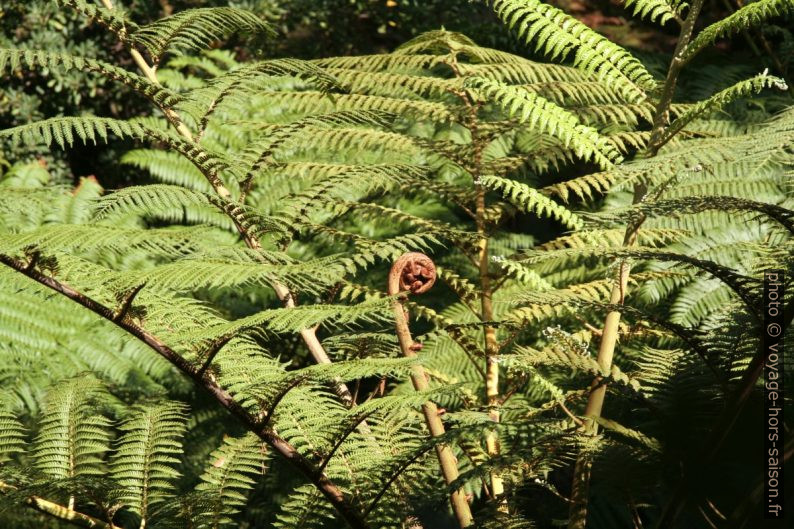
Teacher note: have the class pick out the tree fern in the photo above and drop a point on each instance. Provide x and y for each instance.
(249, 261)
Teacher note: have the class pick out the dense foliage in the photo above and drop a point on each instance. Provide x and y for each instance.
(215, 345)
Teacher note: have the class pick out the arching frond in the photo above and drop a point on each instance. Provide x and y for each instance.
(558, 35)
(746, 17)
(195, 29)
(12, 60)
(548, 118)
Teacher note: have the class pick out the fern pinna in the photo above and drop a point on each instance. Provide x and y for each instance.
(248, 275)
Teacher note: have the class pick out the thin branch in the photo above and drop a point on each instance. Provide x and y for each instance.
(57, 510)
(329, 489)
(126, 304)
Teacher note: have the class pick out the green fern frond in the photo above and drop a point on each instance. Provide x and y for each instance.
(12, 60)
(697, 204)
(12, 432)
(241, 83)
(147, 453)
(287, 320)
(613, 237)
(195, 29)
(434, 41)
(548, 118)
(392, 83)
(659, 11)
(73, 437)
(113, 19)
(168, 167)
(723, 98)
(311, 102)
(228, 478)
(172, 242)
(64, 132)
(629, 433)
(531, 201)
(524, 275)
(559, 35)
(747, 17)
(525, 72)
(149, 200)
(382, 61)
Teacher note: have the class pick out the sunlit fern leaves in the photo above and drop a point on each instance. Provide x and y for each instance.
(230, 476)
(73, 436)
(558, 35)
(195, 29)
(12, 432)
(549, 119)
(314, 176)
(660, 11)
(147, 453)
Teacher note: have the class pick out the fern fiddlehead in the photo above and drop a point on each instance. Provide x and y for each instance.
(415, 272)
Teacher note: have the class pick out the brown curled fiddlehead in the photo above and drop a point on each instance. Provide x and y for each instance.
(413, 272)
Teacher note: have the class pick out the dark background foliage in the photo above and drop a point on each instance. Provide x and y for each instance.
(308, 29)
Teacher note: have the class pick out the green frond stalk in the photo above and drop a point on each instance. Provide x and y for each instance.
(610, 329)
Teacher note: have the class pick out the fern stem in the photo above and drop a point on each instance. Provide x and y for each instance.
(151, 74)
(416, 272)
(67, 514)
(491, 343)
(662, 113)
(610, 331)
(491, 347)
(329, 489)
